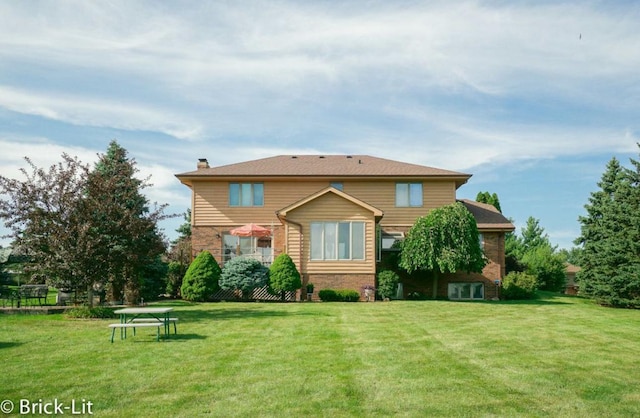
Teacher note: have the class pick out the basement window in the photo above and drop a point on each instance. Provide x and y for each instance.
(466, 291)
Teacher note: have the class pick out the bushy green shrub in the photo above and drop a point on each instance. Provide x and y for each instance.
(244, 274)
(84, 312)
(201, 279)
(283, 276)
(519, 285)
(388, 283)
(330, 295)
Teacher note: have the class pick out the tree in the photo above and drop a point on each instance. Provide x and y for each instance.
(244, 274)
(610, 238)
(179, 256)
(82, 229)
(51, 223)
(444, 241)
(284, 276)
(532, 252)
(123, 224)
(202, 278)
(490, 199)
(547, 266)
(533, 236)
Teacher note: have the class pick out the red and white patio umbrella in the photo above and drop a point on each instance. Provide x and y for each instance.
(251, 230)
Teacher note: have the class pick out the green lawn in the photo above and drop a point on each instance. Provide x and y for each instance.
(558, 356)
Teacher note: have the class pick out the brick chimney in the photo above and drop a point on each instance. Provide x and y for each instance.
(203, 163)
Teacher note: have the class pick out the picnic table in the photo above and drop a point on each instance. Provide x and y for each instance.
(143, 317)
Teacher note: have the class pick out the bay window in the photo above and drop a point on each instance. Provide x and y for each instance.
(337, 240)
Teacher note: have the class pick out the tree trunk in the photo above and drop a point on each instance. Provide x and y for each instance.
(435, 285)
(90, 296)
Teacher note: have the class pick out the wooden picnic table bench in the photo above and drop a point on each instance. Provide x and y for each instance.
(133, 325)
(144, 317)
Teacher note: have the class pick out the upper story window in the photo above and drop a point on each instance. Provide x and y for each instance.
(337, 185)
(408, 194)
(246, 194)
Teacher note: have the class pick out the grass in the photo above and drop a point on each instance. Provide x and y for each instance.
(556, 356)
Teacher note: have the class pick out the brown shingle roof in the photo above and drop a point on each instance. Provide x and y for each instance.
(487, 216)
(325, 165)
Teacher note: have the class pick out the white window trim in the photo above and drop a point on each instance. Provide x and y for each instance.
(473, 284)
(240, 202)
(351, 238)
(408, 204)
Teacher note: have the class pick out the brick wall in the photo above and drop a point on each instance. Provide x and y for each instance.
(210, 238)
(338, 281)
(494, 270)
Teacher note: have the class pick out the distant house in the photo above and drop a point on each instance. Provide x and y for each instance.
(335, 215)
(571, 286)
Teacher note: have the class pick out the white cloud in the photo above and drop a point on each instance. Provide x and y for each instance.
(82, 110)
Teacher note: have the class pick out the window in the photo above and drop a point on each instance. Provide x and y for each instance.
(466, 291)
(337, 185)
(409, 194)
(234, 246)
(389, 239)
(481, 240)
(246, 194)
(337, 240)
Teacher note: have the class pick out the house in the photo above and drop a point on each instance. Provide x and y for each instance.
(335, 215)
(571, 287)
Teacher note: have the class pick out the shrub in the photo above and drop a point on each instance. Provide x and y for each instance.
(201, 279)
(388, 283)
(84, 312)
(547, 266)
(330, 295)
(518, 285)
(244, 274)
(283, 276)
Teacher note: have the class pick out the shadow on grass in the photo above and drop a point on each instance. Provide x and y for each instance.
(4, 344)
(185, 337)
(229, 314)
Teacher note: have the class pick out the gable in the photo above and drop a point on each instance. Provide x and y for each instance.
(331, 202)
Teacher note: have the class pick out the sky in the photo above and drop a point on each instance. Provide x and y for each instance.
(531, 97)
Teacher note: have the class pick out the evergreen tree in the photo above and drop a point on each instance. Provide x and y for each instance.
(284, 276)
(610, 238)
(244, 274)
(179, 256)
(489, 199)
(202, 278)
(443, 241)
(123, 223)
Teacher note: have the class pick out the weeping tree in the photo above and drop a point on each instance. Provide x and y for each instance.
(446, 240)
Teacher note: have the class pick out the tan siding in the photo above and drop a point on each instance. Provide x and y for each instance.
(211, 200)
(382, 194)
(333, 208)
